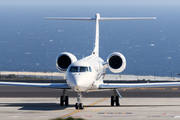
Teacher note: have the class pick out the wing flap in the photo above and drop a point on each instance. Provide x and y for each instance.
(43, 85)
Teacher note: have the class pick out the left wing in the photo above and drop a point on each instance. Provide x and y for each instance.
(43, 85)
(137, 85)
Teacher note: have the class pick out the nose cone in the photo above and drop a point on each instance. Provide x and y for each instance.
(79, 81)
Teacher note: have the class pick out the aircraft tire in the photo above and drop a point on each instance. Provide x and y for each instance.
(117, 101)
(112, 100)
(61, 101)
(66, 101)
(76, 106)
(81, 106)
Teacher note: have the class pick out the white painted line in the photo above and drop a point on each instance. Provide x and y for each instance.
(142, 116)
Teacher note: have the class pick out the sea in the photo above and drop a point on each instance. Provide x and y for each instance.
(30, 43)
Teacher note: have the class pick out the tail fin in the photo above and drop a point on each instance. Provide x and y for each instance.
(97, 19)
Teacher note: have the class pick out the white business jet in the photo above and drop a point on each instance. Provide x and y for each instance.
(87, 73)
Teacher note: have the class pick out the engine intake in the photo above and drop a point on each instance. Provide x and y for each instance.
(116, 62)
(63, 61)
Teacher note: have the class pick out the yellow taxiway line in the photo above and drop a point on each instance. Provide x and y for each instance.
(84, 108)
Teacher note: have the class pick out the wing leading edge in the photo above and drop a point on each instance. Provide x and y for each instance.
(138, 85)
(43, 85)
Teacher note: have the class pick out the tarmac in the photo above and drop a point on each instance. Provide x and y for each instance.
(96, 109)
(27, 103)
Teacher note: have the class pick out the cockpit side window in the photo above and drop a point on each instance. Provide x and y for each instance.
(74, 69)
(90, 69)
(83, 69)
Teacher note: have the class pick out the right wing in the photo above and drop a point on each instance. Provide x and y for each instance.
(43, 85)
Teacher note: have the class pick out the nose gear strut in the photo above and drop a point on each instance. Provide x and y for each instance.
(79, 104)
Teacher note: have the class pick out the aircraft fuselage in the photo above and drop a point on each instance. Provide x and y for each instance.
(84, 73)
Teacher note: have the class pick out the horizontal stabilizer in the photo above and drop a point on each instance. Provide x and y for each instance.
(100, 19)
(97, 18)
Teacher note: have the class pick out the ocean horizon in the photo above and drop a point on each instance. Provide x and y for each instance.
(30, 43)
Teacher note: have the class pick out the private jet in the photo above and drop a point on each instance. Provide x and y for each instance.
(87, 74)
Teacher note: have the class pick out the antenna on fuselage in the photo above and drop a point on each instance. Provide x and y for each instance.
(97, 19)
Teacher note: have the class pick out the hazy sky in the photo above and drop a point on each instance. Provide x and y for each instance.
(89, 2)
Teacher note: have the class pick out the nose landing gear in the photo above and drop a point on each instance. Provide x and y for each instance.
(79, 105)
(64, 100)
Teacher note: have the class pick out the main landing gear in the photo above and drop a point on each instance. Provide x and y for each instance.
(115, 98)
(79, 105)
(64, 99)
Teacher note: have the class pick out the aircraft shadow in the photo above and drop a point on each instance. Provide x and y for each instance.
(36, 106)
(55, 106)
(134, 106)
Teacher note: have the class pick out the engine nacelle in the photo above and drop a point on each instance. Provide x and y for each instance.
(64, 60)
(116, 62)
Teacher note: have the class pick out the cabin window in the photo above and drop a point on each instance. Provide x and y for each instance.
(83, 69)
(74, 69)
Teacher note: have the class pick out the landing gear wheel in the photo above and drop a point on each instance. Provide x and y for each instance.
(117, 101)
(61, 101)
(81, 106)
(76, 106)
(112, 100)
(66, 101)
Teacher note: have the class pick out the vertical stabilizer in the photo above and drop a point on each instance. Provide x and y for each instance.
(96, 47)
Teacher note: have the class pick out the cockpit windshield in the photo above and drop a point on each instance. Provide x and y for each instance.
(83, 69)
(80, 69)
(74, 69)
